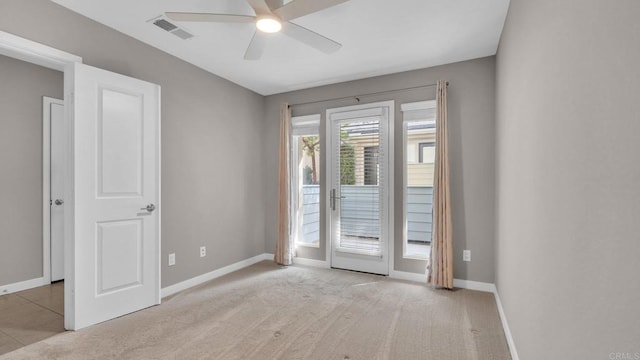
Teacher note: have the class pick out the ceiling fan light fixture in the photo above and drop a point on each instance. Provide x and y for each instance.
(268, 24)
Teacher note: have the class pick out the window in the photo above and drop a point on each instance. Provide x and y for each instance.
(305, 180)
(418, 168)
(427, 152)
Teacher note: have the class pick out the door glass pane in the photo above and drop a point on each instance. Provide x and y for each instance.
(359, 191)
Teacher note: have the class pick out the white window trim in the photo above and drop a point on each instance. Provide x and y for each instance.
(410, 112)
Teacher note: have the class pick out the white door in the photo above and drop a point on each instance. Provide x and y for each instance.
(359, 214)
(113, 227)
(57, 154)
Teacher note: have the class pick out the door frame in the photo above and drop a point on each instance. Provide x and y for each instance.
(327, 177)
(46, 186)
(35, 53)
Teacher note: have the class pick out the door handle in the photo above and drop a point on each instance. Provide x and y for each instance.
(149, 208)
(333, 198)
(59, 202)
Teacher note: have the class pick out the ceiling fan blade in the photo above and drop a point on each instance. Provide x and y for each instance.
(259, 6)
(310, 38)
(256, 46)
(298, 8)
(206, 17)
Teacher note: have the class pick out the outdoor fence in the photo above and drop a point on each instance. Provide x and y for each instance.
(359, 210)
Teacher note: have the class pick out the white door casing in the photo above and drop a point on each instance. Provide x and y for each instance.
(114, 165)
(36, 53)
(55, 110)
(346, 250)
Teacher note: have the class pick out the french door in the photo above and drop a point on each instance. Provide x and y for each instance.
(360, 191)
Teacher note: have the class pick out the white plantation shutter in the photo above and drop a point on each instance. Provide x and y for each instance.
(308, 125)
(421, 110)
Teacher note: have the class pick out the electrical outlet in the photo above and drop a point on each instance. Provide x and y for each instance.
(203, 251)
(172, 259)
(466, 255)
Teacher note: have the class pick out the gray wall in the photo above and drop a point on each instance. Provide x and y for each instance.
(211, 138)
(471, 115)
(568, 178)
(22, 86)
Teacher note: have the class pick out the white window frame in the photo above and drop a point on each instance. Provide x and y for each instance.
(300, 126)
(410, 112)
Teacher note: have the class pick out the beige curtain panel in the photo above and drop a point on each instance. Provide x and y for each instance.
(283, 255)
(440, 268)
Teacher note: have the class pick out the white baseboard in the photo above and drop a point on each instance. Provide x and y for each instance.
(311, 262)
(505, 326)
(408, 276)
(474, 285)
(459, 283)
(23, 285)
(175, 288)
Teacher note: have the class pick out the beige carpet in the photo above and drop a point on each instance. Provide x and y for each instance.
(269, 312)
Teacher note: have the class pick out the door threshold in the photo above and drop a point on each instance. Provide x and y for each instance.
(361, 272)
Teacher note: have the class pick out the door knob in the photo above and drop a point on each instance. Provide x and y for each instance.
(149, 208)
(59, 202)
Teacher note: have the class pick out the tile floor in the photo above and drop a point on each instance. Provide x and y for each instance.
(31, 315)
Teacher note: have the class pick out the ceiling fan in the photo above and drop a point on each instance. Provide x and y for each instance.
(268, 21)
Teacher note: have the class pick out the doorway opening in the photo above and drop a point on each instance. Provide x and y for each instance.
(32, 308)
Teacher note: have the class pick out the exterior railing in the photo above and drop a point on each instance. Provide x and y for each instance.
(359, 212)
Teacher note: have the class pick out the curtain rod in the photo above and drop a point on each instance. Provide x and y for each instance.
(357, 97)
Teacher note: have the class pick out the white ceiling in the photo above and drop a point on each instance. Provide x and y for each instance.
(378, 37)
